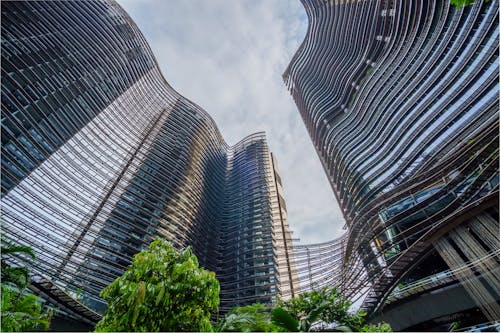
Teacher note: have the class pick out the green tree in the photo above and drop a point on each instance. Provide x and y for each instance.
(283, 318)
(380, 327)
(324, 305)
(163, 290)
(250, 318)
(312, 310)
(15, 275)
(20, 309)
(357, 322)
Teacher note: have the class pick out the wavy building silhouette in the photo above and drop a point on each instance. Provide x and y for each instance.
(100, 155)
(400, 99)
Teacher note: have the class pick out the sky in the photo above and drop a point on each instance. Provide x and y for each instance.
(228, 56)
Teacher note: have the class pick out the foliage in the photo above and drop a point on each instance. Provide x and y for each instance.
(380, 327)
(358, 323)
(163, 290)
(311, 311)
(283, 318)
(460, 3)
(324, 305)
(250, 318)
(18, 276)
(454, 326)
(20, 309)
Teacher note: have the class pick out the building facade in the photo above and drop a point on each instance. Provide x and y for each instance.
(100, 155)
(400, 99)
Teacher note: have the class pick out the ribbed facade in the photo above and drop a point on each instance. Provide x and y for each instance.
(289, 285)
(62, 65)
(318, 265)
(401, 101)
(100, 156)
(253, 249)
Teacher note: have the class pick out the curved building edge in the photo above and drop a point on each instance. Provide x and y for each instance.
(401, 101)
(100, 156)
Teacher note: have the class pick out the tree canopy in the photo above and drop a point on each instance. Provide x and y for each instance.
(250, 318)
(319, 310)
(324, 305)
(162, 290)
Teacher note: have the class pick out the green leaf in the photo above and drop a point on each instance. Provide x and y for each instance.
(135, 315)
(159, 297)
(9, 249)
(162, 290)
(284, 319)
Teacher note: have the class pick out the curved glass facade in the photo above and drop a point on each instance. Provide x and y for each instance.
(54, 83)
(251, 220)
(401, 101)
(100, 156)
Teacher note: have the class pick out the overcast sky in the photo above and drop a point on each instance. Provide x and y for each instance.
(228, 57)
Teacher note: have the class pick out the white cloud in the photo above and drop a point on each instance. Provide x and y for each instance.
(228, 57)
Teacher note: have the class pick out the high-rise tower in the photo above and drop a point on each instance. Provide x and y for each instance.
(400, 99)
(100, 156)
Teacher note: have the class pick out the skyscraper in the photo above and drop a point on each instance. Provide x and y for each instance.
(400, 99)
(100, 156)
